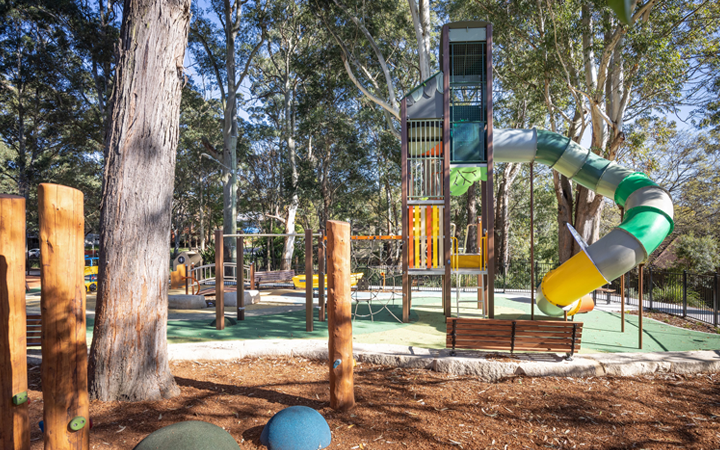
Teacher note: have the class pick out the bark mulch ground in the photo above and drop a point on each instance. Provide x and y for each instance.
(421, 409)
(688, 324)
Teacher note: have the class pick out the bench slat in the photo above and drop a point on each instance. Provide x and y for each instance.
(518, 334)
(529, 335)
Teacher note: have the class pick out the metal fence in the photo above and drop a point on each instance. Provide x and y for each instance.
(683, 294)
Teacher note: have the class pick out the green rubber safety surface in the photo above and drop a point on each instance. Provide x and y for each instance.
(601, 330)
(189, 435)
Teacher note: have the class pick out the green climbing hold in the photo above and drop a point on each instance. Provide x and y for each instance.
(19, 399)
(78, 423)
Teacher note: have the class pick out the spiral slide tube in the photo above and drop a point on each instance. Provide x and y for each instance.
(647, 222)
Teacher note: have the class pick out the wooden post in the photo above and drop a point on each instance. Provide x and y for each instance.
(219, 282)
(640, 304)
(532, 244)
(622, 303)
(405, 231)
(321, 276)
(252, 275)
(490, 167)
(240, 270)
(308, 281)
(14, 421)
(447, 243)
(187, 279)
(342, 396)
(64, 347)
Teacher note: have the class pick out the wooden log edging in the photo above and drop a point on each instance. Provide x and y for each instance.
(62, 303)
(14, 419)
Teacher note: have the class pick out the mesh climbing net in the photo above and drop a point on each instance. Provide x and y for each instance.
(377, 258)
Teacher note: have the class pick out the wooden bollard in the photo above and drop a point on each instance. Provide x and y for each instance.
(342, 396)
(14, 421)
(62, 304)
(219, 282)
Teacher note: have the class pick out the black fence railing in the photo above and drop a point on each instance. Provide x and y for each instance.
(683, 294)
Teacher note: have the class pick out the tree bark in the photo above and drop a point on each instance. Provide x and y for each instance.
(502, 215)
(472, 218)
(128, 357)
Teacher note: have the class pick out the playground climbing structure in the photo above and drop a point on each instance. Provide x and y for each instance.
(448, 143)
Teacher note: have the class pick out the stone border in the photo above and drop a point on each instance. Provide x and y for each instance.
(477, 364)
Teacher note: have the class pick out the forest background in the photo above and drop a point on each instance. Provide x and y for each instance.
(296, 103)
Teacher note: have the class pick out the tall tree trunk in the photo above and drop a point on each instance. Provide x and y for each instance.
(420, 12)
(128, 358)
(472, 218)
(502, 214)
(230, 137)
(289, 244)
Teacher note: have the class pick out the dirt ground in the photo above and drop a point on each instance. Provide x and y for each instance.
(421, 409)
(679, 322)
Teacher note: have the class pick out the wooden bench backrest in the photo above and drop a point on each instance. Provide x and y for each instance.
(514, 335)
(34, 330)
(275, 275)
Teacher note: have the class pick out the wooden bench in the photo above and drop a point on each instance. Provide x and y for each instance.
(275, 276)
(514, 335)
(34, 330)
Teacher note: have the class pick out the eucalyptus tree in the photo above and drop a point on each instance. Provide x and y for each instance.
(128, 356)
(595, 73)
(385, 47)
(276, 80)
(55, 72)
(224, 39)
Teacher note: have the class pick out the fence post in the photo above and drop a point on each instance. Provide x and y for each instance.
(684, 313)
(308, 280)
(715, 299)
(650, 287)
(14, 420)
(640, 305)
(340, 355)
(321, 275)
(219, 281)
(240, 277)
(64, 346)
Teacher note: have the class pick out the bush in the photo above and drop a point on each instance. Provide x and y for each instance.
(697, 254)
(674, 294)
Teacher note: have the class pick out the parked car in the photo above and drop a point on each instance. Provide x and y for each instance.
(34, 253)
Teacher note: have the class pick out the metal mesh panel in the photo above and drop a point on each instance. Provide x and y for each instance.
(425, 162)
(467, 62)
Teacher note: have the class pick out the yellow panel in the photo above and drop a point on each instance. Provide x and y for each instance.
(572, 280)
(423, 233)
(469, 261)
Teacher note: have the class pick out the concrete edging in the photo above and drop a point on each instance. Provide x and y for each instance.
(465, 363)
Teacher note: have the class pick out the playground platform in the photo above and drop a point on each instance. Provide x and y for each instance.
(280, 315)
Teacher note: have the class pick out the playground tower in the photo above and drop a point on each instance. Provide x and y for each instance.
(447, 145)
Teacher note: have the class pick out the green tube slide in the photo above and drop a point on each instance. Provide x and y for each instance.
(647, 222)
